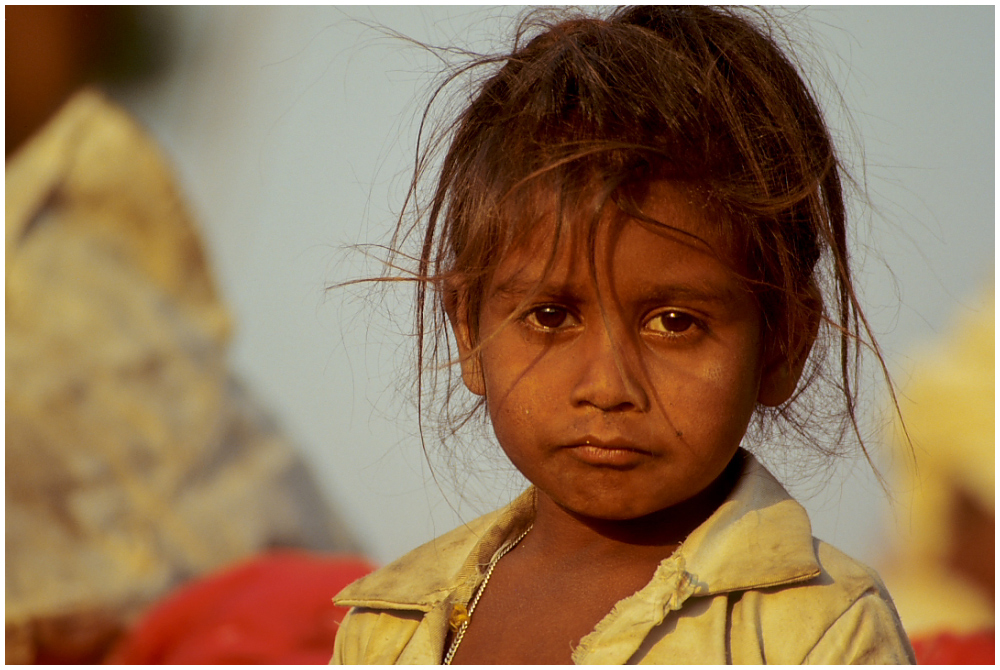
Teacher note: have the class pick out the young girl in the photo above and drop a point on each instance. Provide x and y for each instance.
(637, 236)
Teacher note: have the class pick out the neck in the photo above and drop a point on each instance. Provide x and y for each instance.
(561, 531)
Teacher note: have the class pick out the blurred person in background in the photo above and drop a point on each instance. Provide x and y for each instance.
(135, 460)
(942, 568)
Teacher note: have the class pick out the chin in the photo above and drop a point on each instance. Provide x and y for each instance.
(612, 510)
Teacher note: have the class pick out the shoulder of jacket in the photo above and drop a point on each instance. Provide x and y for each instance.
(846, 575)
(841, 582)
(788, 621)
(422, 578)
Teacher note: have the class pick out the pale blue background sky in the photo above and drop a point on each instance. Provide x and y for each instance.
(292, 131)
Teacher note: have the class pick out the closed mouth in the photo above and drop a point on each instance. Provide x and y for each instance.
(610, 445)
(607, 453)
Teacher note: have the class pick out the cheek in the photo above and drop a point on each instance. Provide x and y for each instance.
(507, 398)
(735, 382)
(715, 397)
(734, 391)
(513, 425)
(733, 367)
(514, 399)
(520, 392)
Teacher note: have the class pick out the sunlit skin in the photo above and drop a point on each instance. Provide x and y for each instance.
(622, 394)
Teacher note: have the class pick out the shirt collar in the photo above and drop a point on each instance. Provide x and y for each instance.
(758, 537)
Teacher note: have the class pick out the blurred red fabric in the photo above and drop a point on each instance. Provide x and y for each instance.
(274, 608)
(953, 649)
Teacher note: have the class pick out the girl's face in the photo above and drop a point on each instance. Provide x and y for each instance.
(626, 390)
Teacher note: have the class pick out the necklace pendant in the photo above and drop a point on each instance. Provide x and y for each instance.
(459, 615)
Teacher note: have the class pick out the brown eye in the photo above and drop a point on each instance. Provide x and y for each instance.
(550, 317)
(671, 322)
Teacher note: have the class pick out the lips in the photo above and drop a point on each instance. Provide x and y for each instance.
(615, 453)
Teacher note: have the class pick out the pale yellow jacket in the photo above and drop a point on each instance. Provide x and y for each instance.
(750, 585)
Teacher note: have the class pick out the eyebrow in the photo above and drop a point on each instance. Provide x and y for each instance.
(516, 286)
(693, 293)
(519, 287)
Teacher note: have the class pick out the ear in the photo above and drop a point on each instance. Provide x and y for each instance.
(456, 304)
(783, 368)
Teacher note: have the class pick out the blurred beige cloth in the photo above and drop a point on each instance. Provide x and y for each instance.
(133, 458)
(947, 405)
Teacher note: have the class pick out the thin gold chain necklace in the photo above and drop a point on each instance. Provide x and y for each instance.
(465, 616)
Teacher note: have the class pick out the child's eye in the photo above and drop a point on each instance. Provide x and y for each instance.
(550, 317)
(671, 322)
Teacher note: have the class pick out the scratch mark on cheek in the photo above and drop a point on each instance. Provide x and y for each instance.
(713, 373)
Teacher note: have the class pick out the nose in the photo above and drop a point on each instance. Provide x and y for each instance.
(610, 375)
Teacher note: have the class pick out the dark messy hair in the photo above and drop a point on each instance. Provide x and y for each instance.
(601, 107)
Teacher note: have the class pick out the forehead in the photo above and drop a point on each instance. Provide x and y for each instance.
(673, 230)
